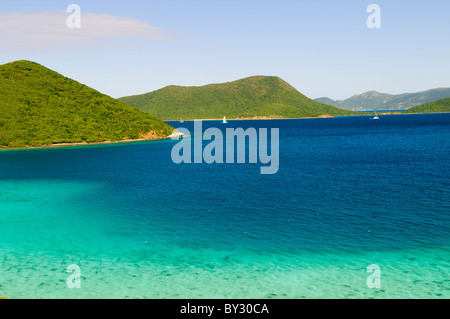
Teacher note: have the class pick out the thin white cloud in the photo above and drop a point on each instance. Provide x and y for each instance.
(42, 32)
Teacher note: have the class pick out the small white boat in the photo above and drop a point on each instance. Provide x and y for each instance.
(224, 120)
(376, 117)
(176, 135)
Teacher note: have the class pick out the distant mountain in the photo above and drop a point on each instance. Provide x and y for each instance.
(373, 100)
(440, 106)
(41, 107)
(252, 97)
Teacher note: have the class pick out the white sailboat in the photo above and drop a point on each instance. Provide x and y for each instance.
(224, 120)
(376, 117)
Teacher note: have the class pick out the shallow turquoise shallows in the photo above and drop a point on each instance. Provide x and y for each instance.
(350, 192)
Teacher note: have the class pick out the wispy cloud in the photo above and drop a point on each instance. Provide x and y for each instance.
(42, 32)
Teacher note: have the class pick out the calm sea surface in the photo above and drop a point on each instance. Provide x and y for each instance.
(350, 192)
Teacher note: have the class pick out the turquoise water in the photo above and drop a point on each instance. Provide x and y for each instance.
(350, 192)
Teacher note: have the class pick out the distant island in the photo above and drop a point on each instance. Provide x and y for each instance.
(256, 97)
(374, 100)
(39, 107)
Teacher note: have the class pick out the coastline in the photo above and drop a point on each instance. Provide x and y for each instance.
(261, 118)
(148, 137)
(151, 137)
(6, 148)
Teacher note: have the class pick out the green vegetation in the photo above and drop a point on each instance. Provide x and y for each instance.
(440, 106)
(380, 101)
(257, 96)
(41, 107)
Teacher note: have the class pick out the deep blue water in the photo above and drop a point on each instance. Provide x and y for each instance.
(345, 186)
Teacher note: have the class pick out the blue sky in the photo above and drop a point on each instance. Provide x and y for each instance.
(322, 47)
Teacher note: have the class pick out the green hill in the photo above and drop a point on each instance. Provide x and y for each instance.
(440, 106)
(257, 96)
(41, 107)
